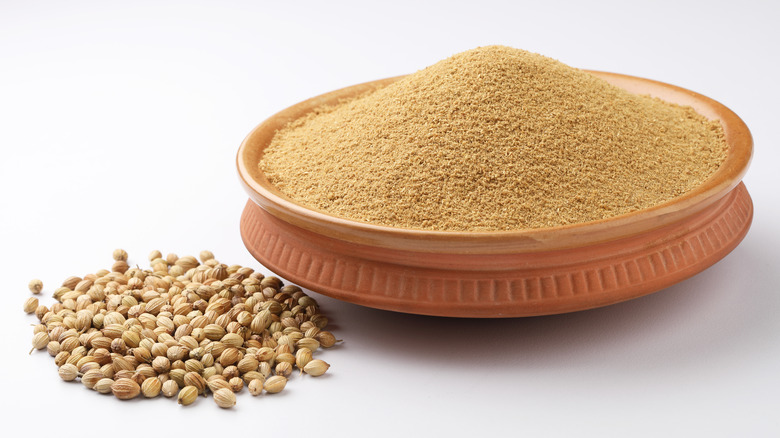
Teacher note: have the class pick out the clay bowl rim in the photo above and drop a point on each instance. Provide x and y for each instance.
(730, 173)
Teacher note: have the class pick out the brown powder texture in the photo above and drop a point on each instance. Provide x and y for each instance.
(493, 139)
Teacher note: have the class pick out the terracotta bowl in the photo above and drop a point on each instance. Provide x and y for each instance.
(499, 274)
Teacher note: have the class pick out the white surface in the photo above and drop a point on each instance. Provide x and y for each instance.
(120, 122)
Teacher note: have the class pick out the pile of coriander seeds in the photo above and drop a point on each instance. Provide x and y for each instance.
(182, 328)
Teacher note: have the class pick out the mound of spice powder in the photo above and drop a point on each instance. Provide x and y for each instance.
(491, 139)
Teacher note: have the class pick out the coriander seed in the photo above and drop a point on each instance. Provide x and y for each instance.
(316, 367)
(151, 387)
(30, 305)
(120, 266)
(61, 358)
(218, 383)
(275, 384)
(91, 377)
(183, 327)
(195, 380)
(71, 282)
(225, 398)
(40, 341)
(161, 364)
(283, 369)
(255, 386)
(309, 343)
(188, 395)
(68, 372)
(264, 369)
(170, 388)
(120, 255)
(302, 357)
(53, 348)
(104, 385)
(35, 286)
(326, 339)
(125, 389)
(236, 384)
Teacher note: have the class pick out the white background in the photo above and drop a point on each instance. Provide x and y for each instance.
(119, 124)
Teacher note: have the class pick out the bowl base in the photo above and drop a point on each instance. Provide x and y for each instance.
(504, 285)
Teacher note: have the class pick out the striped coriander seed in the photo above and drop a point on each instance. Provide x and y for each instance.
(120, 255)
(91, 377)
(236, 384)
(68, 372)
(188, 395)
(283, 369)
(326, 339)
(302, 357)
(40, 341)
(184, 328)
(217, 382)
(225, 398)
(255, 386)
(30, 305)
(104, 385)
(35, 286)
(125, 389)
(151, 387)
(275, 384)
(170, 388)
(316, 367)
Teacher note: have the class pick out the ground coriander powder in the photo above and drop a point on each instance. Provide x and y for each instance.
(493, 139)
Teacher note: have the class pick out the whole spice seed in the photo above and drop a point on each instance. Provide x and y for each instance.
(207, 328)
(195, 380)
(225, 398)
(30, 305)
(188, 395)
(68, 372)
(104, 385)
(91, 377)
(161, 364)
(309, 343)
(316, 367)
(275, 384)
(218, 383)
(71, 282)
(61, 358)
(264, 369)
(326, 339)
(285, 357)
(493, 138)
(40, 341)
(120, 255)
(283, 369)
(151, 387)
(125, 389)
(52, 347)
(255, 386)
(302, 357)
(170, 388)
(35, 286)
(252, 375)
(236, 384)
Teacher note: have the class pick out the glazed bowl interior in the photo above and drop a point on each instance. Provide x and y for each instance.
(718, 185)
